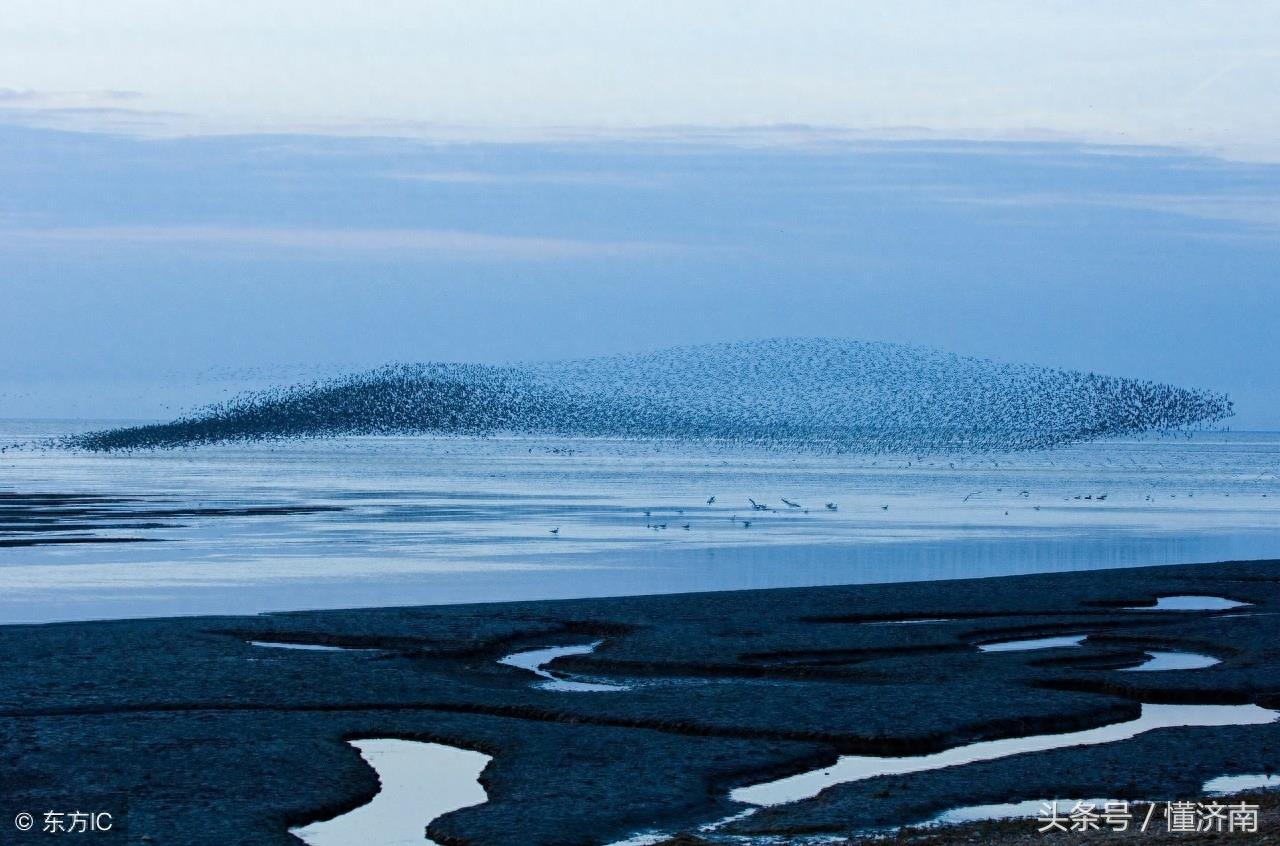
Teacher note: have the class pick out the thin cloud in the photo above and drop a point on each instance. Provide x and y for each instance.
(18, 95)
(440, 242)
(105, 110)
(1262, 212)
(565, 178)
(102, 120)
(126, 112)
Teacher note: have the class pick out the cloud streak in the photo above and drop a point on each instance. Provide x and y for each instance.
(105, 110)
(1258, 211)
(399, 241)
(586, 179)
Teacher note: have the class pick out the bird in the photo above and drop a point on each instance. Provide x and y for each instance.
(556, 531)
(831, 506)
(711, 500)
(746, 524)
(884, 508)
(685, 526)
(790, 504)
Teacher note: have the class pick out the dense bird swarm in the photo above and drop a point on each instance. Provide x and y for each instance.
(810, 394)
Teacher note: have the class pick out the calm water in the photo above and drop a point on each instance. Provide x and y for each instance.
(861, 767)
(447, 520)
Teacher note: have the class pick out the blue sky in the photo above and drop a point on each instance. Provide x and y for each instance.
(217, 193)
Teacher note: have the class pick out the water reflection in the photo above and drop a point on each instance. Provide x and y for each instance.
(430, 521)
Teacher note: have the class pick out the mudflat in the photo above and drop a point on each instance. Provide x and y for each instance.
(195, 734)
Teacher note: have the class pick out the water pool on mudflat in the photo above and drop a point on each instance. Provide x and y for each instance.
(419, 782)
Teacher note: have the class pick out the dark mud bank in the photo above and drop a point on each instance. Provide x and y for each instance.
(204, 738)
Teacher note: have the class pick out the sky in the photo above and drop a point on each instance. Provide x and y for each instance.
(1184, 72)
(202, 196)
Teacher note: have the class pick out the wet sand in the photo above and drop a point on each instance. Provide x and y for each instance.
(215, 740)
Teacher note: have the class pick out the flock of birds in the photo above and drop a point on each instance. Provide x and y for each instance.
(810, 394)
(711, 500)
(792, 506)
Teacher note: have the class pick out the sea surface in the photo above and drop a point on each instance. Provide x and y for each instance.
(423, 520)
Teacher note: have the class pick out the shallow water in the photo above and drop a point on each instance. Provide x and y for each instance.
(1010, 810)
(1161, 661)
(645, 838)
(908, 622)
(306, 647)
(419, 782)
(1033, 644)
(1191, 603)
(535, 661)
(437, 520)
(1227, 785)
(859, 767)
